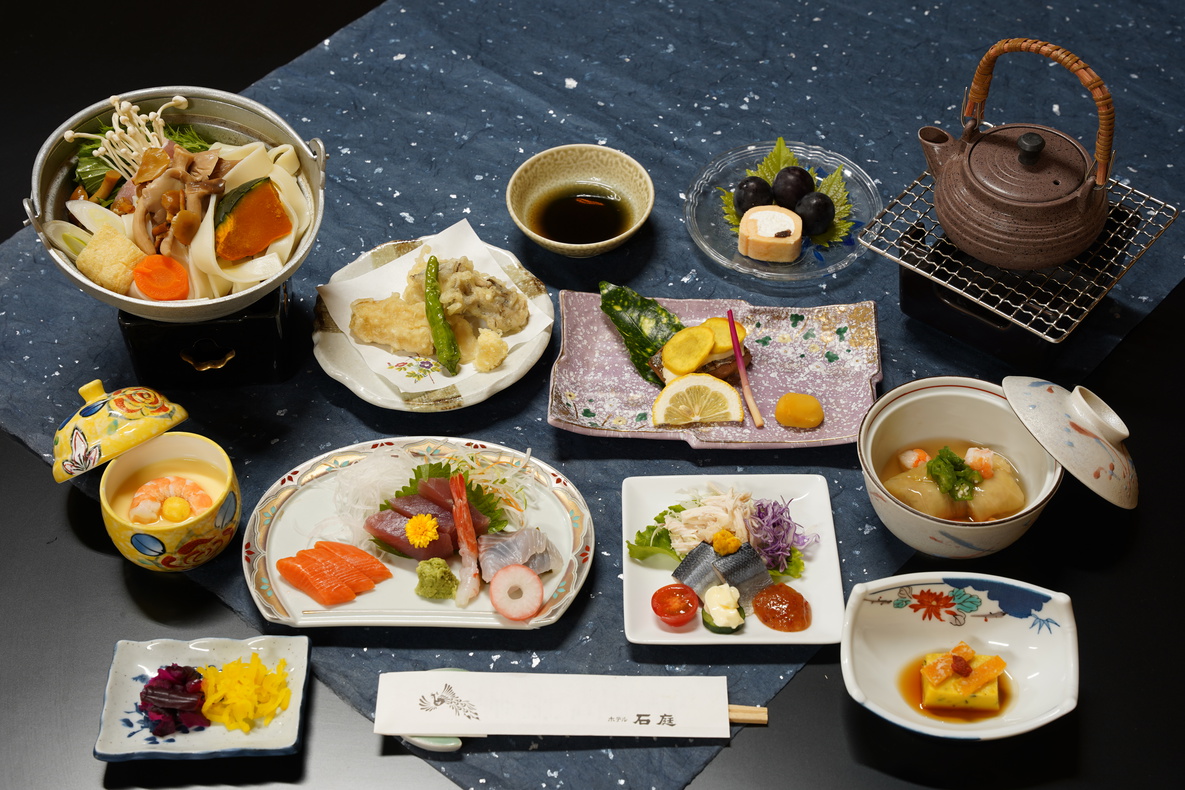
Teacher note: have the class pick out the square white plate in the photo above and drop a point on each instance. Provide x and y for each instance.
(643, 498)
(124, 733)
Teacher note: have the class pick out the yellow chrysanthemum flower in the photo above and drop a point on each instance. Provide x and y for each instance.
(421, 530)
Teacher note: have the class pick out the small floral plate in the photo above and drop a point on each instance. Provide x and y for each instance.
(125, 734)
(831, 352)
(891, 623)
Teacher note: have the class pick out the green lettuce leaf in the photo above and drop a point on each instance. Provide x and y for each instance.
(653, 541)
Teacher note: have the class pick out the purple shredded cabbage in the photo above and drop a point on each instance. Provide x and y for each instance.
(773, 533)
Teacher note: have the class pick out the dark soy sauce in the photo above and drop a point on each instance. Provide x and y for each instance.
(581, 214)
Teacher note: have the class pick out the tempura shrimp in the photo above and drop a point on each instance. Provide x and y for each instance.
(174, 498)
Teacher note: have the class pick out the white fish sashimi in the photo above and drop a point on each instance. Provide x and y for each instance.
(529, 547)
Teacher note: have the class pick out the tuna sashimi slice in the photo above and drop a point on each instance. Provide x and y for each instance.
(322, 589)
(391, 528)
(367, 563)
(415, 504)
(437, 490)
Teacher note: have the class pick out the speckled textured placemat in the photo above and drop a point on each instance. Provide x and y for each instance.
(426, 111)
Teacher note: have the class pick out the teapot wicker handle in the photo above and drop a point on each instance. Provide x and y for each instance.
(977, 95)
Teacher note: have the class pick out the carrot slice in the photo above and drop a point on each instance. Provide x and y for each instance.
(963, 651)
(981, 675)
(161, 278)
(938, 670)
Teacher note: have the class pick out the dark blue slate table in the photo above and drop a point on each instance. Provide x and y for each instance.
(426, 111)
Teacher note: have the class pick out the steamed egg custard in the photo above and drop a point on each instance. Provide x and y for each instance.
(954, 480)
(168, 492)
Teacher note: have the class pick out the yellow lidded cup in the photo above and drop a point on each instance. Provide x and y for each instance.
(170, 500)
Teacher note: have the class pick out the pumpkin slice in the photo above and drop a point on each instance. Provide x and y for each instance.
(249, 219)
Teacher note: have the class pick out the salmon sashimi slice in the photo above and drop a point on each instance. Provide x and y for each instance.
(338, 569)
(370, 565)
(470, 576)
(298, 572)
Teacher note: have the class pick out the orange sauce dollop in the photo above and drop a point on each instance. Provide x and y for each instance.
(782, 608)
(909, 683)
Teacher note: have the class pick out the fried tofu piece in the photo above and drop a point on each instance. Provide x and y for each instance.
(109, 258)
(976, 686)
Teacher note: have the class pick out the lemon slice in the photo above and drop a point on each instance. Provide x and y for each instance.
(697, 397)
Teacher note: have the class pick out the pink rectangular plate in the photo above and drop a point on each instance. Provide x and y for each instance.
(831, 352)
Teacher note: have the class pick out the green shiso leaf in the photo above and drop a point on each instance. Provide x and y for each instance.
(833, 187)
(774, 161)
(486, 502)
(643, 323)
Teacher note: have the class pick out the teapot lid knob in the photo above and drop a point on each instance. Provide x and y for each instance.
(1030, 144)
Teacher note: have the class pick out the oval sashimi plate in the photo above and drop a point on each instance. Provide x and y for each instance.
(293, 514)
(831, 352)
(340, 359)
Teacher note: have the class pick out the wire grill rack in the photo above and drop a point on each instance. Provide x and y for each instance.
(1051, 302)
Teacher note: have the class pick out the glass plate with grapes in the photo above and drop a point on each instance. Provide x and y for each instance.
(712, 219)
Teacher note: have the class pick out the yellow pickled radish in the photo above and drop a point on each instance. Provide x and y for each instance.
(175, 508)
(695, 398)
(723, 342)
(688, 349)
(798, 410)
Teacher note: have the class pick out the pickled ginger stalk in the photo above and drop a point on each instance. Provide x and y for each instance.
(470, 575)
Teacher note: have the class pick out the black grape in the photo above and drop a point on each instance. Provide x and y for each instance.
(752, 191)
(817, 212)
(790, 185)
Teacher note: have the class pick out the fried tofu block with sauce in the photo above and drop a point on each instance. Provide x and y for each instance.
(961, 678)
(109, 258)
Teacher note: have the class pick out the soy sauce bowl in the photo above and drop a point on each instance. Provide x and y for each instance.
(551, 174)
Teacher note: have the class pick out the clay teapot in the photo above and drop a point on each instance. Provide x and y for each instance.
(1021, 196)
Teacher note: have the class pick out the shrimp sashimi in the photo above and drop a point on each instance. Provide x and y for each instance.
(470, 576)
(174, 498)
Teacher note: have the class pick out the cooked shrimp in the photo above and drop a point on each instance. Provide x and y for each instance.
(913, 458)
(173, 498)
(980, 459)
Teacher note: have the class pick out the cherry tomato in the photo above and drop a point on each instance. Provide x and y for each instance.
(675, 604)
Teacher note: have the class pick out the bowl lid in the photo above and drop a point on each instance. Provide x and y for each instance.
(108, 424)
(1028, 164)
(1079, 430)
